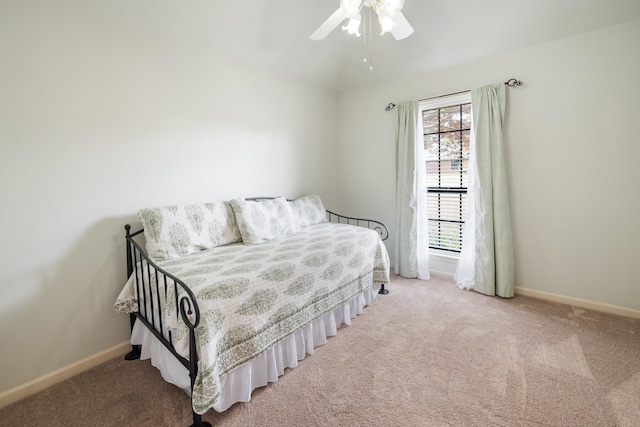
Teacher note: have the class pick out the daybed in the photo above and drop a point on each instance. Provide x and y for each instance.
(229, 294)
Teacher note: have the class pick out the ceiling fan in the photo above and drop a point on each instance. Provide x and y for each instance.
(389, 15)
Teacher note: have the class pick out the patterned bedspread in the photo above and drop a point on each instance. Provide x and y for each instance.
(251, 297)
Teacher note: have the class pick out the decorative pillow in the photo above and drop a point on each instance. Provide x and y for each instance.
(309, 210)
(263, 220)
(175, 231)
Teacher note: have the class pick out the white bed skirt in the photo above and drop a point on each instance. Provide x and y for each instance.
(238, 384)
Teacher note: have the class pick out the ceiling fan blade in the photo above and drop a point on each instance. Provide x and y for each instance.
(403, 29)
(329, 25)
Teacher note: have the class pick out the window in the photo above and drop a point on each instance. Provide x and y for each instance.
(446, 123)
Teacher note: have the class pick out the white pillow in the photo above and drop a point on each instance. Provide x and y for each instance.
(175, 231)
(309, 210)
(263, 220)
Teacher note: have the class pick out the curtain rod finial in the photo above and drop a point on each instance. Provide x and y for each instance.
(390, 106)
(513, 82)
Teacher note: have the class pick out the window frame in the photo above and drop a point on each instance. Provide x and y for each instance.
(431, 104)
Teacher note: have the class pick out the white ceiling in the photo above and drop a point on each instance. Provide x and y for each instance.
(273, 34)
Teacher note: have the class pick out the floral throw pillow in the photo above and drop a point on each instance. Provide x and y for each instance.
(263, 220)
(309, 210)
(176, 231)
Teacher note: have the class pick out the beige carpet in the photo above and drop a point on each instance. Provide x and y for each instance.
(427, 354)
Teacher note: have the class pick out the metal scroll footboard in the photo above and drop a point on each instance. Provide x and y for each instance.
(377, 226)
(371, 224)
(153, 285)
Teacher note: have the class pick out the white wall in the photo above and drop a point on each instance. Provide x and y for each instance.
(99, 119)
(572, 151)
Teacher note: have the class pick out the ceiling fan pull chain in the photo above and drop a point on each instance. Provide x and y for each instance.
(364, 39)
(370, 44)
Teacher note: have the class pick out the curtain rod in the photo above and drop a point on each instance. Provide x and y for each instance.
(510, 82)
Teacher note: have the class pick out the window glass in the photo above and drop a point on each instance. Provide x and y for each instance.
(447, 143)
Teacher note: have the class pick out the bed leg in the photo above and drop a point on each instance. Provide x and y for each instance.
(134, 354)
(382, 290)
(197, 421)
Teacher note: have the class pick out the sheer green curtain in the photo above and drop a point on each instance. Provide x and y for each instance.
(486, 260)
(412, 240)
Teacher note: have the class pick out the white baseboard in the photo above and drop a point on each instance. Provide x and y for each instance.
(59, 375)
(443, 274)
(578, 302)
(442, 263)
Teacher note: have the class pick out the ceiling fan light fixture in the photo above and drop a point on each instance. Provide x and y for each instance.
(390, 7)
(353, 27)
(351, 7)
(386, 23)
(389, 12)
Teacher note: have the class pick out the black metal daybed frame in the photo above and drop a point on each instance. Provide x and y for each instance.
(140, 263)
